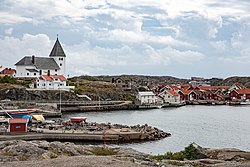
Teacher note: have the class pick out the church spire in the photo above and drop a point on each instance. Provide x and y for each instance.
(57, 50)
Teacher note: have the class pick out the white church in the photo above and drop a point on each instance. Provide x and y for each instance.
(48, 73)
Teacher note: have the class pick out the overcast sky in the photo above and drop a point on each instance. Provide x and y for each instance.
(181, 38)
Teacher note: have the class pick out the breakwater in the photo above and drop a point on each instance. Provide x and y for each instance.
(97, 132)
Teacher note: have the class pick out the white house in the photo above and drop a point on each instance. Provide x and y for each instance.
(8, 71)
(170, 96)
(147, 97)
(47, 72)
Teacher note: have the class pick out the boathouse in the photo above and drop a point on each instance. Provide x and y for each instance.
(18, 125)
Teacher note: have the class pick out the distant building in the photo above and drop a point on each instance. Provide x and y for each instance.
(32, 66)
(8, 71)
(240, 94)
(198, 81)
(170, 96)
(125, 84)
(51, 82)
(147, 97)
(47, 72)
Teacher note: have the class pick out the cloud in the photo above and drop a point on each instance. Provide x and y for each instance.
(119, 36)
(10, 18)
(220, 45)
(8, 31)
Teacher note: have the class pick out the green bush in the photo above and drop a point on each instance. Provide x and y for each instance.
(190, 153)
(8, 79)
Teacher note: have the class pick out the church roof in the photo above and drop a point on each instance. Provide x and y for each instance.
(57, 50)
(40, 63)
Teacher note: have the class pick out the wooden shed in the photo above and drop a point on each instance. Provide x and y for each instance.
(18, 125)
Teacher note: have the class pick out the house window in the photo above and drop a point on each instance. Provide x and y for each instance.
(60, 64)
(55, 70)
(40, 72)
(37, 84)
(28, 74)
(34, 73)
(56, 79)
(49, 84)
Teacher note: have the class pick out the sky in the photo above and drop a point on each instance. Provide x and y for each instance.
(181, 38)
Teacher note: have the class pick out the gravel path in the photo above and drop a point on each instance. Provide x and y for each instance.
(76, 161)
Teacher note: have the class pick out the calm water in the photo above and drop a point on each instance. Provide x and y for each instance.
(208, 126)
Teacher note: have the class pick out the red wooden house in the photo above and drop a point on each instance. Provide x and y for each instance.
(18, 125)
(240, 94)
(187, 95)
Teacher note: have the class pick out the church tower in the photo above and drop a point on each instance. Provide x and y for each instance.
(59, 56)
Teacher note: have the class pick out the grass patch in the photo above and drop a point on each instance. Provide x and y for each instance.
(103, 151)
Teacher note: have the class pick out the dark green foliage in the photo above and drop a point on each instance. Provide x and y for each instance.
(190, 153)
(8, 79)
(11, 80)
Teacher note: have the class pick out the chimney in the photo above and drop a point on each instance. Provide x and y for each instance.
(33, 59)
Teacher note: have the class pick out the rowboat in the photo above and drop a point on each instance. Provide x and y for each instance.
(78, 119)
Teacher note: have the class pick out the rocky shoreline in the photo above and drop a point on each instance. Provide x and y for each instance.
(41, 153)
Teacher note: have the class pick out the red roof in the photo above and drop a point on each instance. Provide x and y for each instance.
(18, 120)
(47, 78)
(186, 92)
(61, 77)
(243, 91)
(174, 87)
(173, 93)
(51, 77)
(8, 71)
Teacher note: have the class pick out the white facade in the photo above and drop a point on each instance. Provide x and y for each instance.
(169, 96)
(147, 97)
(53, 82)
(22, 71)
(61, 61)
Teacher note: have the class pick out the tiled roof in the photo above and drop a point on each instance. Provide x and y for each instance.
(51, 77)
(57, 50)
(18, 120)
(8, 71)
(61, 77)
(186, 92)
(174, 87)
(243, 91)
(47, 78)
(40, 63)
(173, 93)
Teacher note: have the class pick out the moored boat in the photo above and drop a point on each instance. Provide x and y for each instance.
(78, 119)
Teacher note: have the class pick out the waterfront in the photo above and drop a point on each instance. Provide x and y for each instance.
(208, 126)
